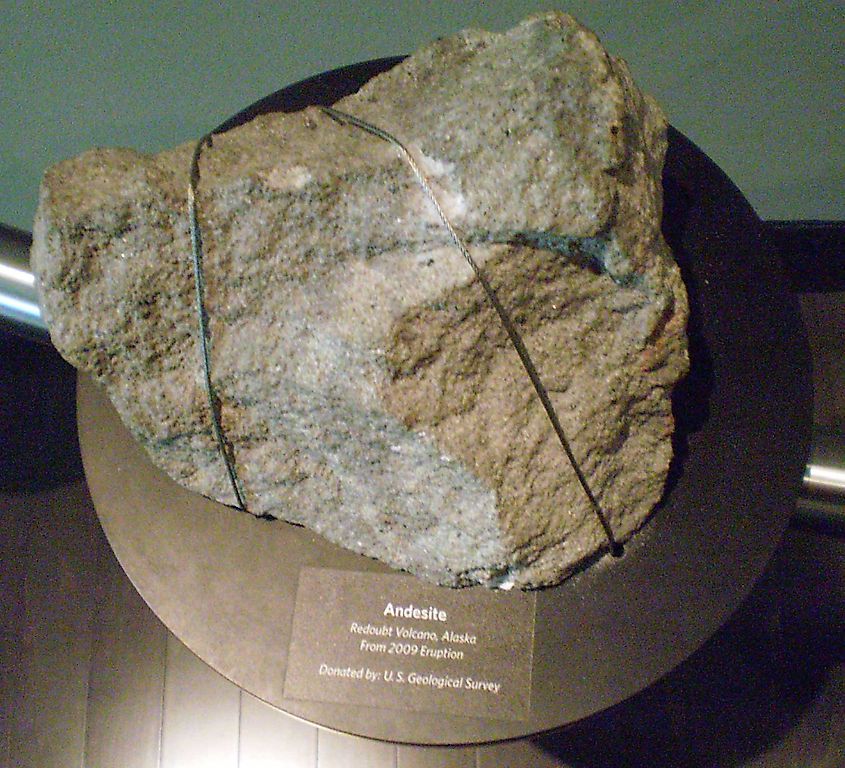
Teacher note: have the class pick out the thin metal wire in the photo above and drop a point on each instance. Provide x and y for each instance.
(513, 334)
(202, 316)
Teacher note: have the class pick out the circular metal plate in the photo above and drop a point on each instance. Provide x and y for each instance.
(224, 582)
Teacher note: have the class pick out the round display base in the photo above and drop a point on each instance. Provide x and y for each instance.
(225, 582)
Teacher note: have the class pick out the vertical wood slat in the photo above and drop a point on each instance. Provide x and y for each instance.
(270, 738)
(127, 674)
(8, 664)
(201, 718)
(48, 719)
(525, 753)
(436, 757)
(14, 560)
(338, 750)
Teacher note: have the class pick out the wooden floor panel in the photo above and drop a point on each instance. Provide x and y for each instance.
(201, 716)
(126, 685)
(524, 753)
(50, 707)
(15, 513)
(272, 739)
(337, 750)
(436, 757)
(8, 664)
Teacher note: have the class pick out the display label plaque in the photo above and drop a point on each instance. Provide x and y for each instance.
(388, 640)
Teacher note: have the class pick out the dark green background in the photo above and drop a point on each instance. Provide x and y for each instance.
(758, 85)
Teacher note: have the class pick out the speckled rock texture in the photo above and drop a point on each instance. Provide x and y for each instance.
(367, 387)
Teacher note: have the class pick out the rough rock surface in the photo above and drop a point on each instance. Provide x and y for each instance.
(368, 389)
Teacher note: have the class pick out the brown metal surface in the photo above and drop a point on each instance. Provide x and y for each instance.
(224, 582)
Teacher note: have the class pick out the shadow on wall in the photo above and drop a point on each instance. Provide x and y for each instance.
(38, 440)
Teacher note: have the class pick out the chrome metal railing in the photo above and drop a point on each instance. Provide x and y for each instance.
(19, 310)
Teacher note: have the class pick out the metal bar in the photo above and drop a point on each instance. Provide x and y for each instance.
(820, 515)
(19, 309)
(825, 472)
(822, 505)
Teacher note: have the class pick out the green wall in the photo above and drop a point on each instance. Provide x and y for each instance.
(758, 85)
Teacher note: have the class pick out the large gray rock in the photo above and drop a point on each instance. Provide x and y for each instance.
(367, 387)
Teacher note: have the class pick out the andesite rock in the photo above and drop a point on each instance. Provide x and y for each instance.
(367, 388)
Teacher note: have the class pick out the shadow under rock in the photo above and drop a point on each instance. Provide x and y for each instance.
(735, 699)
